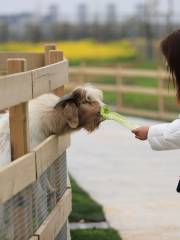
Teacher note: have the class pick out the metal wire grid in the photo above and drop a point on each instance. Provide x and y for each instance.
(63, 233)
(22, 215)
(48, 190)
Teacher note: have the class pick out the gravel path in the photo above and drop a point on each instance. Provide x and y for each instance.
(135, 185)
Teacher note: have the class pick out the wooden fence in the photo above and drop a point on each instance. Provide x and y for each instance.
(26, 76)
(82, 74)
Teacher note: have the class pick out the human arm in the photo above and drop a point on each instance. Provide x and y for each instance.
(165, 136)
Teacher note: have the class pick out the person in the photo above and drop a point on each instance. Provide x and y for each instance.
(166, 136)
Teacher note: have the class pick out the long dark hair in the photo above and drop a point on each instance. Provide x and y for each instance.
(170, 48)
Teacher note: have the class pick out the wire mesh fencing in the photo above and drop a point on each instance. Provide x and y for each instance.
(63, 233)
(23, 214)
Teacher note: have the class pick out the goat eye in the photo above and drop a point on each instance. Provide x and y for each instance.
(88, 99)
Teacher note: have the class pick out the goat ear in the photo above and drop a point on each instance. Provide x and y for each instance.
(71, 115)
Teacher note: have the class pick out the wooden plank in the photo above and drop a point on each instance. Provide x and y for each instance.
(15, 89)
(47, 48)
(19, 126)
(34, 60)
(48, 151)
(148, 113)
(56, 220)
(127, 89)
(19, 130)
(54, 57)
(34, 238)
(16, 176)
(68, 182)
(69, 231)
(60, 74)
(145, 90)
(114, 72)
(49, 77)
(119, 84)
(19, 136)
(41, 81)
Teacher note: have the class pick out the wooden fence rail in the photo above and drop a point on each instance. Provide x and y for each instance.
(26, 76)
(82, 73)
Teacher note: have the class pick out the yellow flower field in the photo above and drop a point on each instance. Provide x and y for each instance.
(76, 51)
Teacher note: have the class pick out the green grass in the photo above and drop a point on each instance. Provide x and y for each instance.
(84, 207)
(140, 101)
(103, 62)
(103, 80)
(170, 104)
(110, 98)
(141, 81)
(95, 234)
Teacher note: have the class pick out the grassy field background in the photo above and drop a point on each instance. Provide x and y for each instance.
(121, 53)
(88, 51)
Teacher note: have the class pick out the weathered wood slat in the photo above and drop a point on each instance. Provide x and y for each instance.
(16, 176)
(128, 89)
(54, 57)
(49, 151)
(18, 116)
(34, 60)
(116, 71)
(21, 87)
(147, 91)
(34, 238)
(56, 220)
(15, 89)
(148, 113)
(49, 77)
(21, 173)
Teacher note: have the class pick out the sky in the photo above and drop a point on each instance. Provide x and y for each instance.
(68, 7)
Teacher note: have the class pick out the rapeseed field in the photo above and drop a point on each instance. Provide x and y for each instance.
(83, 50)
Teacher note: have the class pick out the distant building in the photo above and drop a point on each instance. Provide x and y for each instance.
(111, 14)
(82, 13)
(53, 14)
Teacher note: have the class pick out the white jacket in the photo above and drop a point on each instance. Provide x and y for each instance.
(165, 136)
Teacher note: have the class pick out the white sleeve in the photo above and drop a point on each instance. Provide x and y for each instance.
(165, 136)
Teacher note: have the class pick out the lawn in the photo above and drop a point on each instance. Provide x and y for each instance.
(95, 234)
(137, 100)
(84, 207)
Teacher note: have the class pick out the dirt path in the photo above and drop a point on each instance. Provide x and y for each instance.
(135, 185)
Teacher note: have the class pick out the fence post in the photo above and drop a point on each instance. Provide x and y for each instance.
(119, 93)
(82, 75)
(47, 48)
(19, 126)
(160, 97)
(54, 57)
(19, 136)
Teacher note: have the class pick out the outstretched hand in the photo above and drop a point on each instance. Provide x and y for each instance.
(141, 133)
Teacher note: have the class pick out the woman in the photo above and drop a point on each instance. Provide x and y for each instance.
(166, 136)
